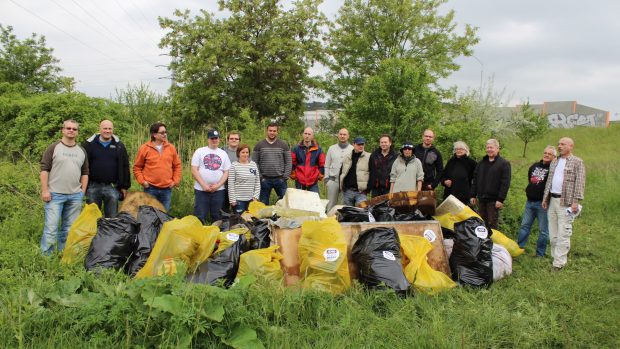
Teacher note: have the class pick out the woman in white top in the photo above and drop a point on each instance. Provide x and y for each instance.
(243, 181)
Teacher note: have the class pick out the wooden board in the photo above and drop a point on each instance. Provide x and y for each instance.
(288, 240)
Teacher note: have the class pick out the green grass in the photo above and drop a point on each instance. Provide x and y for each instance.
(46, 305)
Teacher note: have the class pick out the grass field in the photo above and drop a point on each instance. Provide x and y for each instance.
(46, 305)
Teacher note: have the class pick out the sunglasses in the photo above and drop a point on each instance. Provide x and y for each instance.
(163, 132)
(71, 128)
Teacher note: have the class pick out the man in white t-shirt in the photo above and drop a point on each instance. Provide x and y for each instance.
(210, 167)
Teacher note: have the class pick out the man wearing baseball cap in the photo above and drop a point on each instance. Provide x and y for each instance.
(210, 167)
(355, 173)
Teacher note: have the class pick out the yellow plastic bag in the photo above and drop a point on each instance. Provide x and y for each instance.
(513, 248)
(255, 206)
(417, 270)
(323, 256)
(180, 241)
(81, 234)
(264, 262)
(447, 220)
(228, 238)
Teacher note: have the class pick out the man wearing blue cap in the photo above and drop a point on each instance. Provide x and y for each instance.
(210, 167)
(355, 173)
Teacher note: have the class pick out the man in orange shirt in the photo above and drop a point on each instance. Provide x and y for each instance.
(157, 166)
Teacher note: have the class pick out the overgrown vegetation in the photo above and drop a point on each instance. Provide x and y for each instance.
(45, 304)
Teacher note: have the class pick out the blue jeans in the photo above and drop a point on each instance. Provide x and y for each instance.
(267, 184)
(353, 197)
(314, 187)
(62, 206)
(163, 195)
(534, 210)
(206, 203)
(106, 194)
(241, 207)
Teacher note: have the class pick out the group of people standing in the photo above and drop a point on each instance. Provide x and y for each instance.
(232, 176)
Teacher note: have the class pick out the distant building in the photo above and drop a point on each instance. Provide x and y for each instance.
(569, 114)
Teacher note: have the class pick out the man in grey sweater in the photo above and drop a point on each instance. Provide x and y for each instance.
(273, 157)
(333, 163)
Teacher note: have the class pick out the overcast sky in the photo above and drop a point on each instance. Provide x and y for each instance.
(538, 50)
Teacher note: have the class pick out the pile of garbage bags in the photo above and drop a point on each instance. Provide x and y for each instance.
(153, 243)
(157, 244)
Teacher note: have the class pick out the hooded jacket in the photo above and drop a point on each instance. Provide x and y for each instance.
(160, 170)
(406, 174)
(121, 179)
(308, 163)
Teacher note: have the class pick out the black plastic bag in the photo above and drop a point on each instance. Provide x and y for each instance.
(259, 229)
(230, 221)
(114, 243)
(151, 220)
(383, 212)
(353, 214)
(224, 265)
(377, 256)
(471, 260)
(411, 216)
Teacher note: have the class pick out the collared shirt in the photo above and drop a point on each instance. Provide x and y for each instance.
(574, 180)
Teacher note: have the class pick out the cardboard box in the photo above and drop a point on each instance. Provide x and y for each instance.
(288, 240)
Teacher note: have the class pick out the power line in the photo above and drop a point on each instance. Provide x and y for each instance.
(113, 34)
(62, 31)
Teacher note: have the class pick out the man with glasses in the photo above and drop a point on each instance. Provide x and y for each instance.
(157, 166)
(64, 177)
(537, 180)
(108, 162)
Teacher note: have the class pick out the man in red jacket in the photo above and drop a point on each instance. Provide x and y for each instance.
(308, 163)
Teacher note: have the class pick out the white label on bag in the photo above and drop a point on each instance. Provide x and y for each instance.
(389, 255)
(232, 236)
(482, 232)
(331, 254)
(430, 235)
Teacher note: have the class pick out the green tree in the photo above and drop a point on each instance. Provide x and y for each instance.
(255, 59)
(36, 120)
(368, 31)
(397, 101)
(529, 125)
(29, 64)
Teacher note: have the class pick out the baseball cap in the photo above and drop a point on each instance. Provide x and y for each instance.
(359, 140)
(213, 134)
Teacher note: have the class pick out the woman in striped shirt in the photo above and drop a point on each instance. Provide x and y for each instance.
(243, 181)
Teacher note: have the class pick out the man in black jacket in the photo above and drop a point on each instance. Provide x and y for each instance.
(535, 190)
(490, 184)
(432, 163)
(380, 164)
(108, 164)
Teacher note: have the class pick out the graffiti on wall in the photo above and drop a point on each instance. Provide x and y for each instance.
(559, 120)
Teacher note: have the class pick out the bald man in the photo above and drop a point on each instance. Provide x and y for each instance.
(308, 163)
(563, 192)
(333, 163)
(108, 164)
